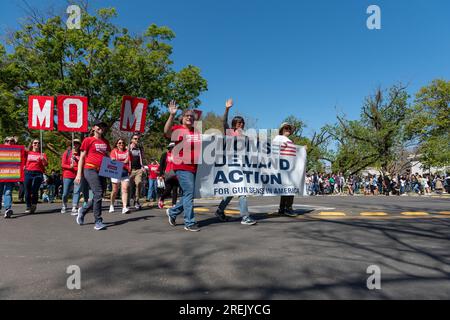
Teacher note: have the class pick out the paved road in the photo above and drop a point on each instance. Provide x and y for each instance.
(310, 257)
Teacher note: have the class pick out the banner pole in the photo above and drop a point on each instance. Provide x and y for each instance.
(40, 131)
(72, 141)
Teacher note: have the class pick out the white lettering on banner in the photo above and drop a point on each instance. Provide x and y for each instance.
(74, 20)
(131, 117)
(42, 114)
(66, 105)
(253, 167)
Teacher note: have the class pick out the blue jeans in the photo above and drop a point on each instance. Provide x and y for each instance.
(6, 193)
(51, 192)
(243, 207)
(152, 192)
(186, 203)
(67, 184)
(33, 180)
(95, 183)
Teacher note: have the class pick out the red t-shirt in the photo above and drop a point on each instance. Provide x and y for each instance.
(95, 149)
(122, 156)
(153, 169)
(169, 161)
(66, 160)
(191, 143)
(34, 162)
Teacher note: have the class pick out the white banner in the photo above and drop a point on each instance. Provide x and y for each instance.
(235, 166)
(111, 168)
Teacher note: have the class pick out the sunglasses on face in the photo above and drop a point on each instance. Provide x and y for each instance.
(8, 141)
(119, 142)
(35, 142)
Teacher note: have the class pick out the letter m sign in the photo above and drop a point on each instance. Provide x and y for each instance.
(133, 114)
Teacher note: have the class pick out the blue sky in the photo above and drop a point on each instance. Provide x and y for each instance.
(311, 59)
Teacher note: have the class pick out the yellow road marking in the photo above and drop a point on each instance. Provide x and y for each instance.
(375, 214)
(445, 212)
(331, 213)
(198, 210)
(232, 212)
(416, 213)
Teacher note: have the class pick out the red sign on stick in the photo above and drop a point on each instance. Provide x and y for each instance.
(72, 114)
(40, 112)
(133, 114)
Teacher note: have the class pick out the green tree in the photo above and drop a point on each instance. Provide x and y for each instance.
(429, 123)
(100, 61)
(373, 139)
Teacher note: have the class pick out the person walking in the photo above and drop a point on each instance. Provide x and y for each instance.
(34, 175)
(283, 141)
(69, 165)
(237, 128)
(153, 173)
(137, 169)
(6, 188)
(185, 164)
(93, 149)
(167, 174)
(120, 153)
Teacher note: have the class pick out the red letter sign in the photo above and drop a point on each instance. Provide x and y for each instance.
(72, 114)
(40, 112)
(133, 114)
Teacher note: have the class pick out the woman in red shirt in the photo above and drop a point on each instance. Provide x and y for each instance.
(185, 154)
(34, 175)
(93, 149)
(121, 153)
(69, 165)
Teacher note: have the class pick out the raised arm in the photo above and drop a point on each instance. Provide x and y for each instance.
(228, 105)
(173, 108)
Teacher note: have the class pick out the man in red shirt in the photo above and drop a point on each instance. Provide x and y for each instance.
(93, 149)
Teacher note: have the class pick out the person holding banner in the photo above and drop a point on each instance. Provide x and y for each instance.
(69, 165)
(237, 127)
(6, 188)
(186, 153)
(93, 149)
(286, 147)
(120, 153)
(34, 175)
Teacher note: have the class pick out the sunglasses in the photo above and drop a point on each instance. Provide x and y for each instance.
(6, 141)
(120, 143)
(35, 142)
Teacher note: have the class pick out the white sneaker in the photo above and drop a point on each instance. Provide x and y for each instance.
(63, 209)
(125, 211)
(74, 211)
(111, 209)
